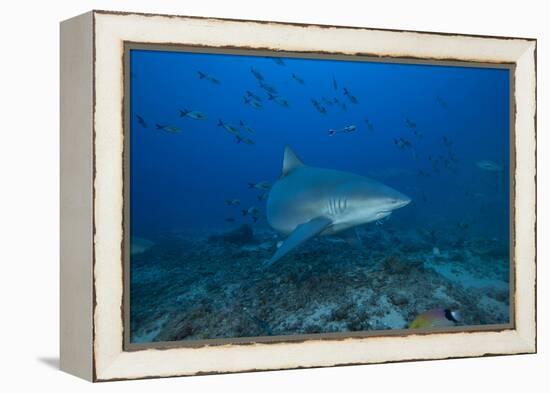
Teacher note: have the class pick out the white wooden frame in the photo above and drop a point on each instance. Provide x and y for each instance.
(92, 195)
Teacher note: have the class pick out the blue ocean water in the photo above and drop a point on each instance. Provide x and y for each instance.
(437, 133)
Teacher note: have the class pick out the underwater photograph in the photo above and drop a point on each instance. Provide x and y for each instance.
(293, 194)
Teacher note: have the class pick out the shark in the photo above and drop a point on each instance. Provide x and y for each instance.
(307, 201)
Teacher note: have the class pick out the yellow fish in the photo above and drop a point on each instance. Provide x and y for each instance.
(438, 317)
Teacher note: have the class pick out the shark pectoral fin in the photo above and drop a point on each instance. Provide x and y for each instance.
(351, 237)
(302, 233)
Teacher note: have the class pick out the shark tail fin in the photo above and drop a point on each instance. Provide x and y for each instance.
(220, 123)
(201, 75)
(290, 161)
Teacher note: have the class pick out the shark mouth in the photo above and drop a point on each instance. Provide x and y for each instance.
(382, 214)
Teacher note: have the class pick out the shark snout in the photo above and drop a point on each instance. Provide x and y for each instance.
(400, 201)
(404, 202)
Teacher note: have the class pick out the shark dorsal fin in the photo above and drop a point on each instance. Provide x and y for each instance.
(290, 161)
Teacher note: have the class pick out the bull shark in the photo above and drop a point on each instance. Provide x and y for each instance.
(306, 201)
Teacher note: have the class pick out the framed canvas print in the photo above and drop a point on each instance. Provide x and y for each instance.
(245, 195)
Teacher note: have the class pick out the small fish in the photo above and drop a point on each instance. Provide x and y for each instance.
(192, 114)
(256, 105)
(462, 225)
(257, 74)
(423, 173)
(253, 212)
(263, 185)
(350, 96)
(402, 143)
(442, 102)
(279, 100)
(141, 121)
(345, 130)
(229, 219)
(321, 109)
(298, 79)
(250, 248)
(334, 83)
(410, 123)
(246, 128)
(209, 78)
(233, 202)
(267, 245)
(244, 140)
(447, 141)
(253, 103)
(278, 61)
(436, 318)
(489, 166)
(268, 88)
(168, 128)
(344, 106)
(418, 134)
(230, 128)
(254, 96)
(453, 157)
(369, 124)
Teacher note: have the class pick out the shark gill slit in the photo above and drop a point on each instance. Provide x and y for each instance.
(337, 206)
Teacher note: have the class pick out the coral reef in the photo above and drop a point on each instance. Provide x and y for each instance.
(215, 287)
